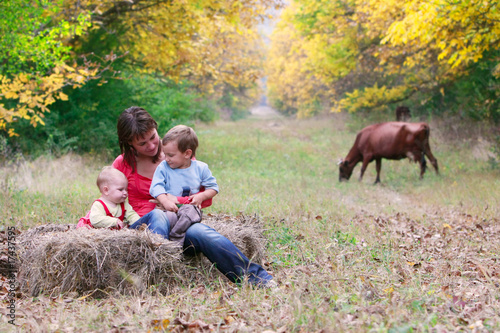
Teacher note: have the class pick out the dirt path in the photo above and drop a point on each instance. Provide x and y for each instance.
(264, 112)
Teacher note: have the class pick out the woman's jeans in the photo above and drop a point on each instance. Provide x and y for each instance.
(218, 249)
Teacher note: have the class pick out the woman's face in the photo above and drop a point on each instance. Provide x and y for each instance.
(147, 145)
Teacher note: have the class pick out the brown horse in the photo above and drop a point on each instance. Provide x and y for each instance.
(392, 141)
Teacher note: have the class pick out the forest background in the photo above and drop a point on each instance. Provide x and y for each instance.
(403, 256)
(68, 68)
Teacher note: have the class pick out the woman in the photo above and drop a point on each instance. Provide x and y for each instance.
(141, 154)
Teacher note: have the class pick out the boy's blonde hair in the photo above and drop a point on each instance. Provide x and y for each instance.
(185, 137)
(108, 175)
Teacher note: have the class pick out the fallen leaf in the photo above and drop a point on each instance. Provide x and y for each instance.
(389, 290)
(195, 324)
(159, 324)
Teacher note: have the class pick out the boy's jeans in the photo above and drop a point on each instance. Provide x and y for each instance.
(218, 249)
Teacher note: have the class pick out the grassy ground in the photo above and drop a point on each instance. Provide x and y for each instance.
(407, 255)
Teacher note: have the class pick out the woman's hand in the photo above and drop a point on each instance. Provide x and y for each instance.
(157, 203)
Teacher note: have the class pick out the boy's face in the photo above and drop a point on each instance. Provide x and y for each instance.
(175, 158)
(116, 190)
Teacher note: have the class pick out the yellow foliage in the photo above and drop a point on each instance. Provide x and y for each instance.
(460, 31)
(33, 94)
(294, 84)
(212, 43)
(369, 98)
(422, 43)
(209, 42)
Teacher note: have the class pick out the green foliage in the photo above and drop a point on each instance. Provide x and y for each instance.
(87, 122)
(37, 61)
(30, 41)
(198, 45)
(176, 104)
(476, 95)
(236, 103)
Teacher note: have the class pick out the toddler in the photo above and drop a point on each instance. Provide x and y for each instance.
(111, 210)
(181, 175)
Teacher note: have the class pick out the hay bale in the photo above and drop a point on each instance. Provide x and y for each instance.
(55, 259)
(29, 238)
(246, 232)
(83, 260)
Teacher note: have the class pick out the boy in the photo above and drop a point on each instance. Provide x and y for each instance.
(180, 175)
(111, 210)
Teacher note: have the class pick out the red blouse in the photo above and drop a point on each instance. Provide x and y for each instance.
(138, 187)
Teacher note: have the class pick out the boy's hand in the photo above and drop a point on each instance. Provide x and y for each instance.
(170, 206)
(196, 200)
(168, 202)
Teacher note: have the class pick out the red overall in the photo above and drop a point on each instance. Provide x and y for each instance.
(84, 222)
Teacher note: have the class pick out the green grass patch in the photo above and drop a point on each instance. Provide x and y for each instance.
(406, 255)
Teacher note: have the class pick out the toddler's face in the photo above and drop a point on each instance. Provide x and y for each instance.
(175, 158)
(117, 190)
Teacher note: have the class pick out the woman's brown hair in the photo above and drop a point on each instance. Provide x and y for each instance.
(133, 123)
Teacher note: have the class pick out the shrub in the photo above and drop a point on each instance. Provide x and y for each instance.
(87, 121)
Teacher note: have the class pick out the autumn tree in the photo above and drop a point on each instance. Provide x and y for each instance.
(35, 64)
(208, 42)
(317, 44)
(211, 44)
(373, 53)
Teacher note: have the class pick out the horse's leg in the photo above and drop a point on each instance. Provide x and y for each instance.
(431, 157)
(378, 164)
(366, 161)
(417, 156)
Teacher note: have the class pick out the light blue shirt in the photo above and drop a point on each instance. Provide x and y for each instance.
(172, 181)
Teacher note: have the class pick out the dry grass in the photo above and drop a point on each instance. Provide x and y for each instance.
(60, 259)
(35, 175)
(439, 272)
(403, 256)
(83, 261)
